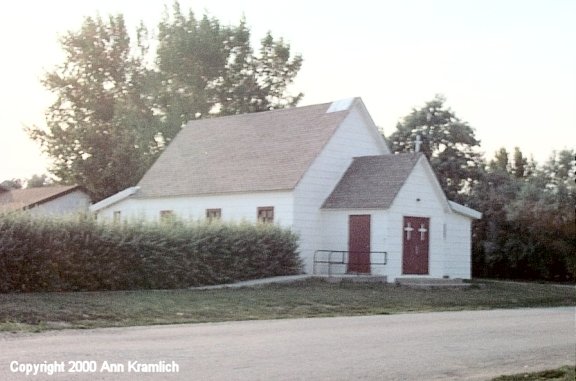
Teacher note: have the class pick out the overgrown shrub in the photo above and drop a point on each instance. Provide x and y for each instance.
(81, 254)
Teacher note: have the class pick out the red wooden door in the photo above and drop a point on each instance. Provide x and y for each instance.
(416, 232)
(359, 244)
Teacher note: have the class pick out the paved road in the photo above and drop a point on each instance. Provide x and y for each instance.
(474, 345)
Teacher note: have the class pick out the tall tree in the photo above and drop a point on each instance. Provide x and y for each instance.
(490, 195)
(527, 230)
(115, 111)
(38, 181)
(208, 69)
(520, 165)
(448, 142)
(543, 217)
(501, 161)
(191, 56)
(12, 184)
(101, 129)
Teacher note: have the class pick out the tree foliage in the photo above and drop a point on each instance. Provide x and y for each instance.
(448, 143)
(527, 230)
(208, 69)
(11, 184)
(115, 110)
(38, 181)
(101, 128)
(520, 164)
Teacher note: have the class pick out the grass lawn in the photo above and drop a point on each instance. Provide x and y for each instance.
(566, 373)
(311, 298)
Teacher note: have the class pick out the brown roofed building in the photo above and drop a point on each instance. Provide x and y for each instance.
(324, 171)
(49, 200)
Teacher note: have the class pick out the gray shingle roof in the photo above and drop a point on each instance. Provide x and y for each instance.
(263, 151)
(372, 182)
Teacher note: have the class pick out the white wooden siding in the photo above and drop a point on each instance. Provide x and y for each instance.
(335, 224)
(431, 204)
(449, 254)
(356, 136)
(458, 246)
(235, 207)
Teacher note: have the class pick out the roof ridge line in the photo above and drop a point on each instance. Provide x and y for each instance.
(246, 114)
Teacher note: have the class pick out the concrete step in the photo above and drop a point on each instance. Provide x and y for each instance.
(428, 283)
(354, 278)
(428, 280)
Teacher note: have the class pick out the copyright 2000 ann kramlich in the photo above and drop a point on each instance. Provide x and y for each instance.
(91, 366)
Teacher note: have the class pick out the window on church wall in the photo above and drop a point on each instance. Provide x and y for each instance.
(116, 216)
(213, 214)
(266, 214)
(166, 215)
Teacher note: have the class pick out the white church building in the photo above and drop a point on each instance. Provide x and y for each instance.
(323, 171)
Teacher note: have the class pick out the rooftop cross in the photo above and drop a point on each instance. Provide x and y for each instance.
(417, 144)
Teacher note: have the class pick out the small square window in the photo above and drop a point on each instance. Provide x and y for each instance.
(166, 215)
(116, 216)
(266, 214)
(213, 214)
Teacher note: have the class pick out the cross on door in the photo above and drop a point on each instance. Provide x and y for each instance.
(422, 231)
(408, 229)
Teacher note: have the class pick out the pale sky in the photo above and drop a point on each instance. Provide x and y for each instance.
(507, 67)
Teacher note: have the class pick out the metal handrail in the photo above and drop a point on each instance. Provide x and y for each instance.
(344, 259)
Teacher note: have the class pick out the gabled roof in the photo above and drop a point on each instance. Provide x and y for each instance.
(264, 151)
(464, 210)
(122, 195)
(18, 199)
(372, 182)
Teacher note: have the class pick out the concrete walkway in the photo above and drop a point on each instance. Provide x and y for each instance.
(408, 282)
(294, 278)
(257, 282)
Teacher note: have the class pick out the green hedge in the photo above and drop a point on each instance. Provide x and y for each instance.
(83, 255)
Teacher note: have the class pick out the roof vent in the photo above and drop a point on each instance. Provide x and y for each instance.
(341, 105)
